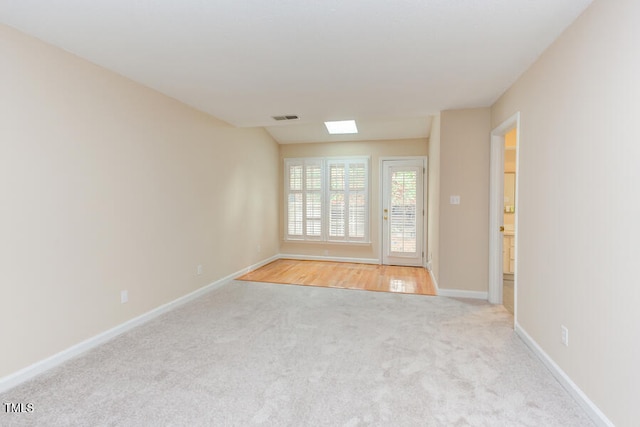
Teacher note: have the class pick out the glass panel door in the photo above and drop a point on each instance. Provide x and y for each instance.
(403, 212)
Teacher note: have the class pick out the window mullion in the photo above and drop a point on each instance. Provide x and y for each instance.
(347, 199)
(324, 220)
(304, 201)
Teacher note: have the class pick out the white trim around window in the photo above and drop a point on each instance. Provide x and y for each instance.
(326, 199)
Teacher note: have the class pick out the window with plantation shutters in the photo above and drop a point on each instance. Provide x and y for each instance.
(327, 199)
(347, 200)
(304, 199)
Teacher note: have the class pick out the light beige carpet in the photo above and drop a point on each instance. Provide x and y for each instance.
(273, 355)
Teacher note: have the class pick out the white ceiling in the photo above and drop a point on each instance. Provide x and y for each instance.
(368, 130)
(388, 64)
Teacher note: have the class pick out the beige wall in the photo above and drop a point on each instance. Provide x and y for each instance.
(509, 219)
(375, 149)
(509, 166)
(107, 185)
(464, 171)
(433, 204)
(579, 210)
(510, 140)
(509, 160)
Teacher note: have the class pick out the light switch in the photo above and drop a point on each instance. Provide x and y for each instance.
(454, 200)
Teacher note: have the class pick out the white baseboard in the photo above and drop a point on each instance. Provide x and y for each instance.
(256, 265)
(596, 415)
(328, 258)
(460, 293)
(456, 293)
(31, 371)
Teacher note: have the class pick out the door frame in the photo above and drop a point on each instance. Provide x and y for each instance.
(496, 211)
(380, 207)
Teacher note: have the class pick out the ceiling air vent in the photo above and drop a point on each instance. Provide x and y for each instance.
(281, 118)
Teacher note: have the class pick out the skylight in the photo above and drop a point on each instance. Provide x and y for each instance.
(341, 127)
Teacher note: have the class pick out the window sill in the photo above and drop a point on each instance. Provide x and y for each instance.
(328, 242)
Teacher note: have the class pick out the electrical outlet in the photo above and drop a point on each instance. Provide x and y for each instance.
(454, 200)
(124, 296)
(565, 335)
(199, 269)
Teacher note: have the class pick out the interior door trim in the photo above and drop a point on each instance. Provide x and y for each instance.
(496, 211)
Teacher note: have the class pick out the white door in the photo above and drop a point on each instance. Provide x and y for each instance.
(402, 212)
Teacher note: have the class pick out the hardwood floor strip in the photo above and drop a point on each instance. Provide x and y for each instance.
(370, 277)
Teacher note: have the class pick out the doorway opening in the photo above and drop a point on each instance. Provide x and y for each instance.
(503, 214)
(508, 227)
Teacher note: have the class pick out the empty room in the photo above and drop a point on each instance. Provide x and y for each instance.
(304, 213)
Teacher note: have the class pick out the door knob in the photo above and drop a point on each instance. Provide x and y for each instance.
(385, 217)
(502, 228)
(386, 210)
